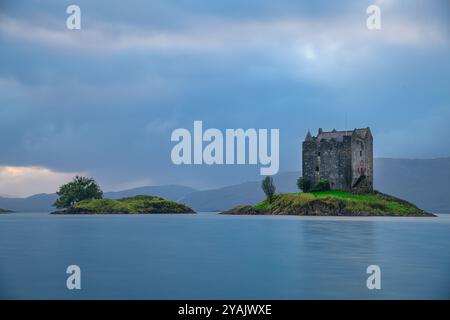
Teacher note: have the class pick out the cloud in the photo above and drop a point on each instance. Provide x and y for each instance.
(25, 181)
(318, 48)
(105, 99)
(321, 49)
(213, 33)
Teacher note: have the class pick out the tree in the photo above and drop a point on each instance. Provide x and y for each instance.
(80, 188)
(303, 184)
(268, 188)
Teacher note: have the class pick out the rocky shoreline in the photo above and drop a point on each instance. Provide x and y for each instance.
(78, 211)
(314, 210)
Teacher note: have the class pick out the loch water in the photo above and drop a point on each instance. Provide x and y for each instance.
(213, 256)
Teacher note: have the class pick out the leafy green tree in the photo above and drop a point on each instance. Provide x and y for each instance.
(268, 188)
(80, 188)
(303, 184)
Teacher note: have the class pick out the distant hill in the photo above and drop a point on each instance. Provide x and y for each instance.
(35, 203)
(244, 193)
(424, 182)
(169, 192)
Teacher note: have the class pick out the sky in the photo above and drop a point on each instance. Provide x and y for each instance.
(102, 101)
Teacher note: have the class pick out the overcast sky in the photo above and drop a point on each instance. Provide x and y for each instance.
(103, 100)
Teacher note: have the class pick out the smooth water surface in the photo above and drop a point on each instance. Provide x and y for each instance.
(210, 256)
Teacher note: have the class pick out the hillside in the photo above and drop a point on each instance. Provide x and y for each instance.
(332, 203)
(170, 192)
(36, 203)
(424, 182)
(248, 192)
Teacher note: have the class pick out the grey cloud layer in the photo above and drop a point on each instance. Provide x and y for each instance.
(104, 100)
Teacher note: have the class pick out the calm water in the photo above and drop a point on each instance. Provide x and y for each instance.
(208, 256)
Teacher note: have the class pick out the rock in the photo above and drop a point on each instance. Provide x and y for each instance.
(246, 210)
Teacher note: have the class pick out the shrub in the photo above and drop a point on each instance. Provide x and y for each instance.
(322, 185)
(303, 184)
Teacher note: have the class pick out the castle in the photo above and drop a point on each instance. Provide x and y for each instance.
(344, 158)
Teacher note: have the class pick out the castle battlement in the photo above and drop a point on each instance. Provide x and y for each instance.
(344, 158)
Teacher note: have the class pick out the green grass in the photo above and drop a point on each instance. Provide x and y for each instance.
(340, 201)
(137, 204)
(382, 202)
(346, 195)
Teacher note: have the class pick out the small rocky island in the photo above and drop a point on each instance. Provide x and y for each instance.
(84, 196)
(337, 180)
(5, 211)
(132, 205)
(332, 203)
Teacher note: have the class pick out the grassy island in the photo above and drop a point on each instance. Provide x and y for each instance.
(131, 205)
(5, 211)
(332, 203)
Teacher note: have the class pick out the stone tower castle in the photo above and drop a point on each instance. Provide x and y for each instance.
(344, 158)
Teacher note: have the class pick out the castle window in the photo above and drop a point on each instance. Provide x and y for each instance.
(360, 153)
(318, 153)
(317, 169)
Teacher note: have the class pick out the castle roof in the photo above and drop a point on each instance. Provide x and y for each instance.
(308, 136)
(339, 135)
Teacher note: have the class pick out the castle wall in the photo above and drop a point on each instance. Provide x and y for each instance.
(347, 164)
(369, 155)
(333, 162)
(362, 162)
(328, 160)
(359, 165)
(309, 163)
